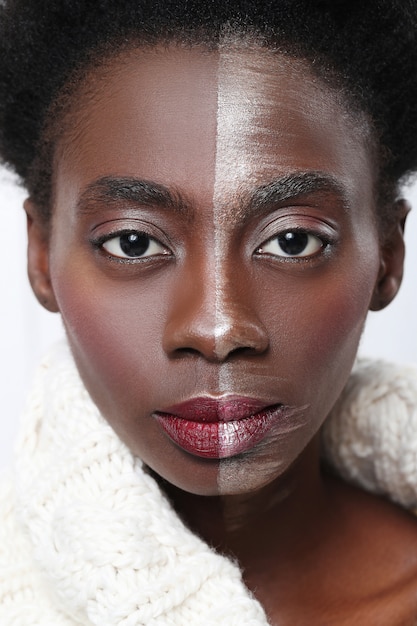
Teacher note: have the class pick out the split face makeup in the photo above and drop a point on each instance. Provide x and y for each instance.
(213, 254)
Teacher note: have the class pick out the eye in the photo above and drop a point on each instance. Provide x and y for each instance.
(292, 244)
(133, 245)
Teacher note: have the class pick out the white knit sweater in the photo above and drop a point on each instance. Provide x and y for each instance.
(87, 537)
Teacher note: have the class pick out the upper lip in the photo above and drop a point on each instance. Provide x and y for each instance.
(217, 409)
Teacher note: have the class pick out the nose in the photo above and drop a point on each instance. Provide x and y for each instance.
(213, 318)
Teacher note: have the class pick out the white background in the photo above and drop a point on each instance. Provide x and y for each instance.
(26, 329)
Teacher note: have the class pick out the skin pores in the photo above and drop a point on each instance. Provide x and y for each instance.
(212, 156)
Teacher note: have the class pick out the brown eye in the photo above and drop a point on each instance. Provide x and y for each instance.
(293, 244)
(133, 245)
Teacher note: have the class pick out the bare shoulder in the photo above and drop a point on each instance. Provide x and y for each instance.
(381, 538)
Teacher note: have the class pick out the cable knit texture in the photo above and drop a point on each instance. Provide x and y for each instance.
(87, 537)
(371, 435)
(95, 541)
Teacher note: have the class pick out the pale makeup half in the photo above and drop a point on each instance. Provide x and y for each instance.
(240, 137)
(247, 155)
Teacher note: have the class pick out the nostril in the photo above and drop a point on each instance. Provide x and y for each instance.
(218, 355)
(196, 330)
(243, 351)
(226, 351)
(178, 352)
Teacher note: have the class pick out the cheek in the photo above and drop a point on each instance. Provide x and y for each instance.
(337, 314)
(114, 328)
(320, 326)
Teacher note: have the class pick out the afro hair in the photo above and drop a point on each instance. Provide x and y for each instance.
(371, 47)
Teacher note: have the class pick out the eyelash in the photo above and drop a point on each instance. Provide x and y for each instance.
(287, 236)
(99, 243)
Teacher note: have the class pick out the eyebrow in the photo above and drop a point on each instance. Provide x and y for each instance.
(149, 193)
(133, 190)
(297, 185)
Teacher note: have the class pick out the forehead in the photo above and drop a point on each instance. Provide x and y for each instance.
(213, 124)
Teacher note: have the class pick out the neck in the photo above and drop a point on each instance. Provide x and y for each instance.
(272, 517)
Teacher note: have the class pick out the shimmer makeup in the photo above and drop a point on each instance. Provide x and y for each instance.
(222, 427)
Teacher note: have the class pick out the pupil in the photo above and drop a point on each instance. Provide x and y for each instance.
(293, 243)
(134, 244)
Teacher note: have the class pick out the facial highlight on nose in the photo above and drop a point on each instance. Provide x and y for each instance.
(240, 333)
(216, 325)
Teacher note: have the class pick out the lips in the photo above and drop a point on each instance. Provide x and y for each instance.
(218, 428)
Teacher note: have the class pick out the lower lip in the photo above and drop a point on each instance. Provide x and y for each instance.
(218, 440)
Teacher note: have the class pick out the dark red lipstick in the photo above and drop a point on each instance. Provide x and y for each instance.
(218, 428)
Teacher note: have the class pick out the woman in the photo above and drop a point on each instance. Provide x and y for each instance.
(213, 208)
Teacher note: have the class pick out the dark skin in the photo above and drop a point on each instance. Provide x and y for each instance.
(314, 559)
(165, 145)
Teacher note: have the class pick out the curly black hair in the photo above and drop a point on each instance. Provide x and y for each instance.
(368, 47)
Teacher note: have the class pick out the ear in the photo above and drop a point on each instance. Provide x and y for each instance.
(38, 257)
(392, 260)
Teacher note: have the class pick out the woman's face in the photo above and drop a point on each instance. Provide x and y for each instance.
(213, 254)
